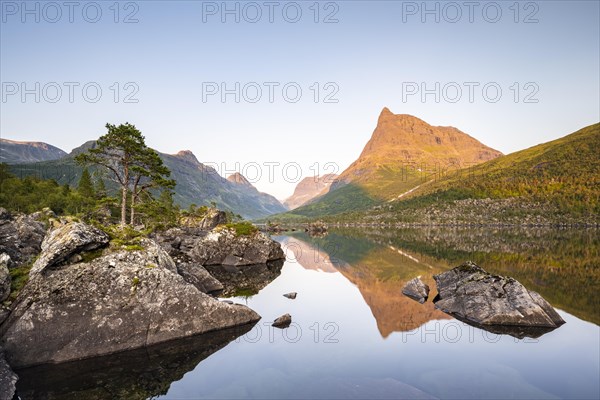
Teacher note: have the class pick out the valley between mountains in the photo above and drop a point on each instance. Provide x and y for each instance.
(409, 172)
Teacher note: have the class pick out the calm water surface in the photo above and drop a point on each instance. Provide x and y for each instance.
(355, 335)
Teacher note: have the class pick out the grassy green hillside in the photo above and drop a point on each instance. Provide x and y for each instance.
(554, 182)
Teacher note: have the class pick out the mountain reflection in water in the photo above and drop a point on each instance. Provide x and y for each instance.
(561, 265)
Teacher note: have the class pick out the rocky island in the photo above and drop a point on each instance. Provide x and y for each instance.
(90, 294)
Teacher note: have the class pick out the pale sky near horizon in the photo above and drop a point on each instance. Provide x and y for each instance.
(174, 57)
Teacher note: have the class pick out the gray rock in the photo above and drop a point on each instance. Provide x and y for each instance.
(416, 290)
(283, 322)
(4, 277)
(471, 294)
(198, 276)
(8, 379)
(212, 219)
(20, 237)
(119, 301)
(67, 240)
(291, 295)
(223, 247)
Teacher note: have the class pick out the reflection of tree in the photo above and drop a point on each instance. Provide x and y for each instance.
(136, 374)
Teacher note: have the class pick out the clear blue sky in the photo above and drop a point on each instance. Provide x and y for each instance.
(373, 54)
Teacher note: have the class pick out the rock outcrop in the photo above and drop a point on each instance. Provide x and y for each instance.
(198, 276)
(67, 240)
(4, 277)
(120, 300)
(416, 290)
(225, 247)
(469, 293)
(21, 236)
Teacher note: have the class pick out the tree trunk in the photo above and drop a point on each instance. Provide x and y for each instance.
(132, 212)
(124, 206)
(124, 196)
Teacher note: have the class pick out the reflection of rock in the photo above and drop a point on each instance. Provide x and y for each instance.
(416, 290)
(283, 322)
(8, 379)
(393, 311)
(245, 280)
(118, 301)
(316, 229)
(471, 294)
(136, 374)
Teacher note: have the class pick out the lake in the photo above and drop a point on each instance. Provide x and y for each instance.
(354, 335)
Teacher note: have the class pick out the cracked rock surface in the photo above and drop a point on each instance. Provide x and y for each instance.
(470, 293)
(118, 301)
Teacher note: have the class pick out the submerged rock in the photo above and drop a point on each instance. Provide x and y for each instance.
(469, 293)
(291, 295)
(416, 290)
(8, 379)
(118, 301)
(283, 322)
(67, 240)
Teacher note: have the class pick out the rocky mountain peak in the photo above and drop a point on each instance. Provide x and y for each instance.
(188, 156)
(239, 179)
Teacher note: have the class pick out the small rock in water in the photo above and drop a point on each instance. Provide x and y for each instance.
(416, 290)
(291, 295)
(283, 322)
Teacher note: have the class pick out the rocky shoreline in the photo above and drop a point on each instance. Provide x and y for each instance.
(88, 295)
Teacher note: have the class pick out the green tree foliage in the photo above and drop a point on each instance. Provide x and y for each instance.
(130, 163)
(85, 187)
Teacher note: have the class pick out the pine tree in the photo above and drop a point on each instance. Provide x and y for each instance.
(85, 186)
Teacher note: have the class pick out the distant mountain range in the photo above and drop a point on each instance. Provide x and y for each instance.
(196, 183)
(308, 189)
(403, 153)
(13, 152)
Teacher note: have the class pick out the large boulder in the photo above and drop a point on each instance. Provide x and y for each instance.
(118, 301)
(67, 240)
(469, 293)
(8, 379)
(198, 276)
(225, 247)
(4, 277)
(210, 220)
(21, 236)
